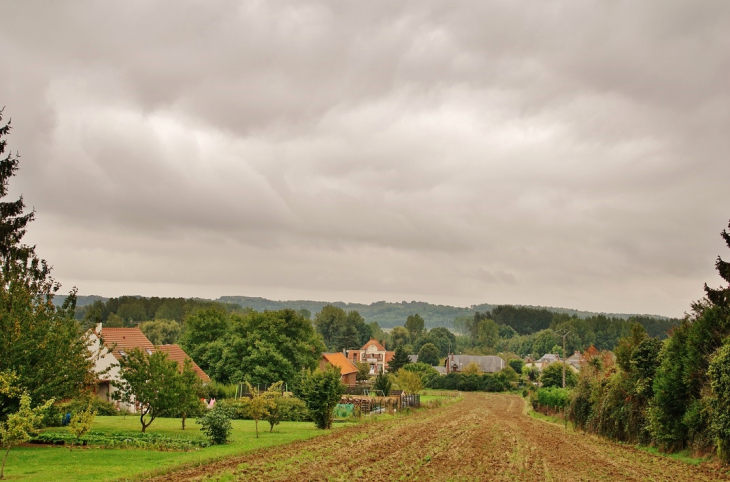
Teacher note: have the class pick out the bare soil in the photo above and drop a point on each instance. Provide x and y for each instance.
(483, 437)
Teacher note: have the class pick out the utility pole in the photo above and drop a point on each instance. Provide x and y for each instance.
(564, 335)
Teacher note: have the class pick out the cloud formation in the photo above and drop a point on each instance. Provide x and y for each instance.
(566, 154)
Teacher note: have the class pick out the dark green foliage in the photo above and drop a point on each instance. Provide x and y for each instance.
(341, 330)
(130, 309)
(552, 376)
(415, 325)
(400, 359)
(517, 365)
(216, 424)
(321, 392)
(470, 383)
(255, 347)
(554, 398)
(40, 342)
(383, 384)
(719, 372)
(429, 354)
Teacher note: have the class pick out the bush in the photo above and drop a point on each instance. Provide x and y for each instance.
(293, 409)
(469, 382)
(237, 408)
(553, 398)
(216, 424)
(321, 391)
(552, 376)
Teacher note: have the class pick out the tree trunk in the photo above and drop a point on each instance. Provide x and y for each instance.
(183, 420)
(2, 469)
(256, 423)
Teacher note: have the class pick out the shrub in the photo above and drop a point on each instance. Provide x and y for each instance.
(216, 424)
(553, 398)
(321, 391)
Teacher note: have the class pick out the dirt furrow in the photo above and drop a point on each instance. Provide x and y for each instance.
(483, 437)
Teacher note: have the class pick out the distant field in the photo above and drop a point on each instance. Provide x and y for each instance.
(44, 463)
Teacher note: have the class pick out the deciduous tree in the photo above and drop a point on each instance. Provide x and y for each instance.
(150, 381)
(429, 354)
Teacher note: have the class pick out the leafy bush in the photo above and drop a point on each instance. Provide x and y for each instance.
(321, 391)
(237, 408)
(216, 424)
(553, 398)
(293, 409)
(485, 382)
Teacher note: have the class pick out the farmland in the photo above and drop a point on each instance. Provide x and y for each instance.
(485, 436)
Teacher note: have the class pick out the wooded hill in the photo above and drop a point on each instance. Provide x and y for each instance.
(524, 319)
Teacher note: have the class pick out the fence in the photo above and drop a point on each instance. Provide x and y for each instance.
(374, 405)
(243, 391)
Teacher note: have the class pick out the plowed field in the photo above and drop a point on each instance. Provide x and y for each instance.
(483, 437)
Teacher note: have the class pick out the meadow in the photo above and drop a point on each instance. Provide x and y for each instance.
(59, 463)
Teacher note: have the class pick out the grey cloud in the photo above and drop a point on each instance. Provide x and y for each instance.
(568, 153)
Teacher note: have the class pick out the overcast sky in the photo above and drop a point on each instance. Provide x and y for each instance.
(562, 153)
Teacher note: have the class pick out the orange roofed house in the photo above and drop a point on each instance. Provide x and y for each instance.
(348, 371)
(374, 354)
(118, 343)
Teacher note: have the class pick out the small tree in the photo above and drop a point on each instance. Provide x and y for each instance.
(81, 422)
(187, 388)
(409, 382)
(383, 383)
(517, 364)
(472, 369)
(363, 371)
(260, 405)
(429, 354)
(216, 424)
(150, 381)
(321, 392)
(400, 359)
(275, 413)
(20, 426)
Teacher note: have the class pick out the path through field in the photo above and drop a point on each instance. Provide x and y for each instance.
(483, 437)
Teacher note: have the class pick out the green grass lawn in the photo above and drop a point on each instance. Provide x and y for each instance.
(57, 463)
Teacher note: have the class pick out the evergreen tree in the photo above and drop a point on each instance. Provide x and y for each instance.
(721, 297)
(40, 342)
(400, 358)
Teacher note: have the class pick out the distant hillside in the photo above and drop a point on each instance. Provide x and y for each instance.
(389, 314)
(80, 300)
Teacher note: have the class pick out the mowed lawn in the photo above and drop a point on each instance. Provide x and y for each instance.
(58, 463)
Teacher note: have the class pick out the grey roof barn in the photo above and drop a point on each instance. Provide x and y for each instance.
(487, 364)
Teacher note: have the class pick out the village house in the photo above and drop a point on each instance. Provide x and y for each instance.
(348, 371)
(374, 354)
(118, 343)
(487, 364)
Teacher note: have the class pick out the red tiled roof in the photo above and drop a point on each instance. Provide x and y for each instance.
(338, 359)
(174, 352)
(125, 339)
(389, 356)
(374, 342)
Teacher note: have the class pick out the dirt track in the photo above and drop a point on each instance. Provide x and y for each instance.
(483, 437)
